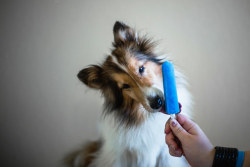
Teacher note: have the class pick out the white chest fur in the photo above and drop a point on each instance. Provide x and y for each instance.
(142, 146)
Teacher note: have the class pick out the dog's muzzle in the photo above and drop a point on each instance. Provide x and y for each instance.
(156, 102)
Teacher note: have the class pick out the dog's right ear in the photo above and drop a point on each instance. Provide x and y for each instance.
(91, 76)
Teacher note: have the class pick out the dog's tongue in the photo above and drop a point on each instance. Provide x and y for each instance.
(164, 111)
(180, 106)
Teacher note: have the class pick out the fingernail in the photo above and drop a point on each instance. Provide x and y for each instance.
(173, 123)
(172, 147)
(178, 153)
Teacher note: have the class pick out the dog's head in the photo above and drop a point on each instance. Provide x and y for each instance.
(130, 78)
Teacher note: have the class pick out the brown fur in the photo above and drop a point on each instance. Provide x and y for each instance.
(130, 52)
(85, 155)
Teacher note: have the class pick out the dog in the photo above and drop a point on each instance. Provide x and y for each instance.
(132, 127)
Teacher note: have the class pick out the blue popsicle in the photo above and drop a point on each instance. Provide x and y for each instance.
(170, 92)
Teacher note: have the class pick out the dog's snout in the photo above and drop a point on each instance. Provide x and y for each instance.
(156, 102)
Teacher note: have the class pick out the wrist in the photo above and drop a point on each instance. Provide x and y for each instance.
(211, 157)
(204, 159)
(229, 157)
(207, 160)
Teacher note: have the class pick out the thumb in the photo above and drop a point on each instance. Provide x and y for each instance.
(177, 129)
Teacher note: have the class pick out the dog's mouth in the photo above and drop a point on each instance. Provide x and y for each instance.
(156, 101)
(162, 110)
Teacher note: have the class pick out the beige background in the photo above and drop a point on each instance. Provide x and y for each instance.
(46, 112)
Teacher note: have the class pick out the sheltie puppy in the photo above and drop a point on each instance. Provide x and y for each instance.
(132, 127)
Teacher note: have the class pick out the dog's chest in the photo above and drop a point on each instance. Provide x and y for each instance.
(138, 144)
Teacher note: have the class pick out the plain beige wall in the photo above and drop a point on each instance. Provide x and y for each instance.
(46, 112)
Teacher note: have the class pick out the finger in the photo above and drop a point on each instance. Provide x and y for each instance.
(170, 140)
(187, 124)
(171, 152)
(167, 127)
(176, 152)
(173, 145)
(178, 130)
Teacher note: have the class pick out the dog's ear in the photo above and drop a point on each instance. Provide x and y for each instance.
(91, 76)
(123, 33)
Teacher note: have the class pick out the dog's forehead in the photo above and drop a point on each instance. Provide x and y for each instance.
(128, 61)
(134, 63)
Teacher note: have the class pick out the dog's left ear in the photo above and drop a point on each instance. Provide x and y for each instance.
(123, 33)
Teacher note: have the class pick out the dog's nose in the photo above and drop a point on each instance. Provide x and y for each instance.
(156, 102)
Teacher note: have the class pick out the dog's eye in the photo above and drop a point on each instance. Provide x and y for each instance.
(141, 69)
(125, 86)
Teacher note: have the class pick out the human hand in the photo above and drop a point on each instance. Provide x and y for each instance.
(192, 142)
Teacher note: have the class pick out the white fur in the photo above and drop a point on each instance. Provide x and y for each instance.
(143, 146)
(122, 34)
